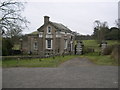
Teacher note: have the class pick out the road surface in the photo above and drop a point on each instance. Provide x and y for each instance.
(75, 73)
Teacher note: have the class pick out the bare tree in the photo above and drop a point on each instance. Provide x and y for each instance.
(97, 24)
(99, 29)
(11, 21)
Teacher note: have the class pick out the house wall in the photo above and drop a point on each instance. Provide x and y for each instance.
(40, 47)
(31, 40)
(53, 40)
(58, 43)
(25, 45)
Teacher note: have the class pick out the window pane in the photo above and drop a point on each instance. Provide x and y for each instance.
(65, 44)
(49, 29)
(49, 43)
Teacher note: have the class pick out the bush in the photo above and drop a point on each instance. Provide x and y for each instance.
(88, 50)
(108, 50)
(6, 46)
(116, 53)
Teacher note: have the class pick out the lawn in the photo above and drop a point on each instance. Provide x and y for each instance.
(16, 47)
(50, 62)
(45, 62)
(101, 59)
(95, 57)
(113, 42)
(88, 43)
(93, 44)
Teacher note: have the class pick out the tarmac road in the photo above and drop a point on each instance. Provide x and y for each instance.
(75, 73)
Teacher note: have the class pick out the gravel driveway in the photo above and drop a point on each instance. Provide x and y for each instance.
(75, 73)
(76, 62)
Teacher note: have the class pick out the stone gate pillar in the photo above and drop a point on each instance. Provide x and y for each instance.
(103, 46)
(79, 48)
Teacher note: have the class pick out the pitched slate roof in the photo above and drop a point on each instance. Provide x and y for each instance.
(61, 27)
(58, 26)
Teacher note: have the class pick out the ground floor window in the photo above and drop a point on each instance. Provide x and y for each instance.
(65, 44)
(49, 44)
(35, 46)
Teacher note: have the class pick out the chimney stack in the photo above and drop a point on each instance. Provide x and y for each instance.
(46, 19)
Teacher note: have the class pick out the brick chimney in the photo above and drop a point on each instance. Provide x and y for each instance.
(46, 19)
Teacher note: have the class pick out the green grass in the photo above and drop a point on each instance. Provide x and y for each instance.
(45, 62)
(90, 43)
(101, 59)
(93, 44)
(50, 62)
(113, 42)
(16, 47)
(98, 59)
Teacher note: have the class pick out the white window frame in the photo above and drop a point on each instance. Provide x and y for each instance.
(47, 44)
(49, 36)
(62, 32)
(65, 44)
(48, 30)
(41, 34)
(58, 34)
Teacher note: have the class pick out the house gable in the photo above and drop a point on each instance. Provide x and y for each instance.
(58, 26)
(51, 38)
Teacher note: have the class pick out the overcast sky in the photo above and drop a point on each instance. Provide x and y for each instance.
(77, 16)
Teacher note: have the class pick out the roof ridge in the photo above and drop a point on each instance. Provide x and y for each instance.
(59, 26)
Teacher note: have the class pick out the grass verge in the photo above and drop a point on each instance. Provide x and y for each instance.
(101, 59)
(45, 62)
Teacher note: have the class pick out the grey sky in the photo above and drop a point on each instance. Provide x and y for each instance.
(78, 16)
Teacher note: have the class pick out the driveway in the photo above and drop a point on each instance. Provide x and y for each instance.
(75, 73)
(77, 62)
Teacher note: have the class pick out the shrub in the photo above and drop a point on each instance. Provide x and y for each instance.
(88, 50)
(116, 52)
(6, 46)
(108, 50)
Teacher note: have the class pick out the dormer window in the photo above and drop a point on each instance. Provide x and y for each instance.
(49, 30)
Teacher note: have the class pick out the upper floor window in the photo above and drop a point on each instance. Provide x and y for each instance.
(49, 30)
